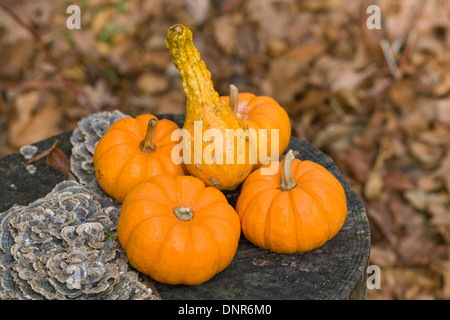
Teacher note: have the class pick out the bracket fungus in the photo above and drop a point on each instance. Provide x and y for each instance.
(84, 139)
(65, 246)
(28, 151)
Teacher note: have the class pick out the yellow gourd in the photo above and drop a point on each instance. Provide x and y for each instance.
(224, 169)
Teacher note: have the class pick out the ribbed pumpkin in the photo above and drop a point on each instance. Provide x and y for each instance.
(177, 230)
(297, 209)
(259, 113)
(205, 108)
(132, 151)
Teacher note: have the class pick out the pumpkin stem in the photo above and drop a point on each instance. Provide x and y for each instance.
(287, 182)
(148, 144)
(234, 99)
(183, 213)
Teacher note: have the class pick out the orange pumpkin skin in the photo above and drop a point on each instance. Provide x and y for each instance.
(261, 112)
(298, 220)
(120, 163)
(176, 251)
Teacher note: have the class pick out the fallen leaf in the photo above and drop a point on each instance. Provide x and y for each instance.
(287, 75)
(151, 84)
(199, 9)
(225, 32)
(58, 160)
(402, 95)
(37, 117)
(396, 181)
(336, 136)
(357, 162)
(374, 185)
(443, 267)
(440, 219)
(382, 256)
(443, 111)
(438, 136)
(100, 95)
(429, 182)
(427, 156)
(444, 171)
(43, 153)
(420, 200)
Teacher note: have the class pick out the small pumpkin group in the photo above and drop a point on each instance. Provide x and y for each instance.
(175, 223)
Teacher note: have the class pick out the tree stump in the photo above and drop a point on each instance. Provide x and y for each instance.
(337, 270)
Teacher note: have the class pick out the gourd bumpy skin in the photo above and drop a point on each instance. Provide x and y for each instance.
(203, 104)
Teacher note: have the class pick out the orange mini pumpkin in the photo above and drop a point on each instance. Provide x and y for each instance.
(177, 230)
(261, 112)
(132, 151)
(297, 209)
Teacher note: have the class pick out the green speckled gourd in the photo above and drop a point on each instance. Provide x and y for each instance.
(224, 169)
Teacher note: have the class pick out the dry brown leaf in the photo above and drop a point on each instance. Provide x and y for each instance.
(100, 95)
(440, 219)
(371, 134)
(199, 9)
(268, 17)
(151, 84)
(420, 200)
(225, 32)
(396, 181)
(37, 117)
(414, 123)
(438, 136)
(100, 20)
(85, 42)
(427, 156)
(330, 133)
(402, 94)
(58, 160)
(382, 222)
(403, 283)
(16, 63)
(43, 154)
(382, 256)
(318, 5)
(374, 185)
(173, 102)
(358, 164)
(284, 79)
(444, 171)
(443, 267)
(429, 182)
(443, 111)
(312, 98)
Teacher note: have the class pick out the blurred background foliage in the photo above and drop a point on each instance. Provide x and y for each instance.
(377, 101)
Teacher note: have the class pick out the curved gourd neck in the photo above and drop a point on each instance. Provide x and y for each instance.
(197, 83)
